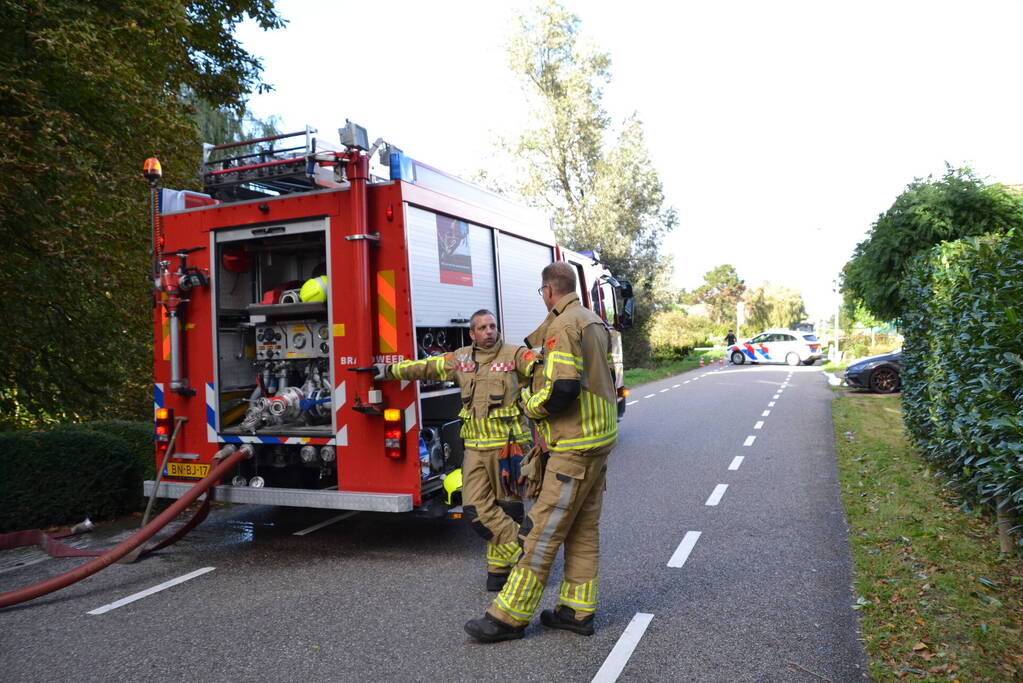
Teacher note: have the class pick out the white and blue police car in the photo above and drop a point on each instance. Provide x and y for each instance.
(777, 346)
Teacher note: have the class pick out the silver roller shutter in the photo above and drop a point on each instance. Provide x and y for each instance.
(435, 303)
(521, 263)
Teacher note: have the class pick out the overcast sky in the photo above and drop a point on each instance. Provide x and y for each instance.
(780, 129)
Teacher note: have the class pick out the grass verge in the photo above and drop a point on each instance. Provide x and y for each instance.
(937, 602)
(637, 376)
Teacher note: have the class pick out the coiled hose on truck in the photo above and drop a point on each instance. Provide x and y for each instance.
(228, 456)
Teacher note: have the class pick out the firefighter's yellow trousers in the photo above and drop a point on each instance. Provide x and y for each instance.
(490, 512)
(567, 513)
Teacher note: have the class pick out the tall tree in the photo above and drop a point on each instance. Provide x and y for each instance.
(605, 196)
(88, 90)
(721, 290)
(219, 125)
(927, 213)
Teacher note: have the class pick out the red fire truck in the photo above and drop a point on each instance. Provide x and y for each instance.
(249, 358)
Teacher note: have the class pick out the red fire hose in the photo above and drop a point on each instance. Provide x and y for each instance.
(231, 456)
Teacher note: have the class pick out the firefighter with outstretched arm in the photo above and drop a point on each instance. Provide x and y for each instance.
(573, 402)
(489, 373)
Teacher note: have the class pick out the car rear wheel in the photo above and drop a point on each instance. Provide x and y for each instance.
(792, 358)
(884, 381)
(738, 358)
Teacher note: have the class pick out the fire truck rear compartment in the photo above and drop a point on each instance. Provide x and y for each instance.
(273, 349)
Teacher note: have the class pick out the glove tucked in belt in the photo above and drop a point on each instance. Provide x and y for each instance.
(509, 461)
(534, 466)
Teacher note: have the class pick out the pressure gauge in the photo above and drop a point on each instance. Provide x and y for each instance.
(322, 332)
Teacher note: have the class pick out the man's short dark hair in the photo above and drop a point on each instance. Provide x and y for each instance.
(479, 314)
(560, 276)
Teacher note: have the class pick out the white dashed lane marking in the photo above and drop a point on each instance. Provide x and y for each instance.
(771, 404)
(736, 462)
(749, 440)
(664, 390)
(759, 424)
(776, 396)
(675, 386)
(619, 656)
(765, 413)
(149, 591)
(684, 548)
(632, 402)
(717, 494)
(649, 396)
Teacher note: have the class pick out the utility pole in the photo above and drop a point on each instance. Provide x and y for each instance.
(838, 331)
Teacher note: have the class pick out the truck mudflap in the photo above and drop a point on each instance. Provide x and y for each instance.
(305, 498)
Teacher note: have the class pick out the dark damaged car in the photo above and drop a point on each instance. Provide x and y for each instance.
(881, 374)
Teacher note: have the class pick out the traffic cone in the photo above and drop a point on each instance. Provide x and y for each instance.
(701, 361)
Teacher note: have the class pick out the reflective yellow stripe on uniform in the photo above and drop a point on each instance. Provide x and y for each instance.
(490, 433)
(436, 361)
(539, 398)
(598, 423)
(503, 556)
(580, 597)
(507, 411)
(563, 358)
(520, 595)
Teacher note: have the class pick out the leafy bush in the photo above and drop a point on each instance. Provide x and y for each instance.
(138, 435)
(962, 370)
(858, 344)
(674, 334)
(63, 475)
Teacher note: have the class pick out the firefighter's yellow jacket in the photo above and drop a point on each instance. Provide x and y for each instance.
(574, 399)
(489, 380)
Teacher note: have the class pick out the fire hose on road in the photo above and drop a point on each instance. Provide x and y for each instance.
(228, 457)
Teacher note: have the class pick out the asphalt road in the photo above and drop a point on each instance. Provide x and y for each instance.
(762, 595)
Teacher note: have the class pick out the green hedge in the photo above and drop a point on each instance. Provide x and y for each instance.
(65, 474)
(962, 370)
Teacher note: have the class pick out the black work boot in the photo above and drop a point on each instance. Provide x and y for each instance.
(495, 582)
(563, 616)
(489, 630)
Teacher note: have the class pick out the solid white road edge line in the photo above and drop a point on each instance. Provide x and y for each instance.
(684, 548)
(736, 461)
(620, 653)
(759, 424)
(716, 494)
(149, 591)
(337, 518)
(749, 441)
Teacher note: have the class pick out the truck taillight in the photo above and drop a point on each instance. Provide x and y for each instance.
(394, 443)
(164, 420)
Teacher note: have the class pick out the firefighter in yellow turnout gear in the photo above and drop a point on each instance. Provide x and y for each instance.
(574, 404)
(488, 373)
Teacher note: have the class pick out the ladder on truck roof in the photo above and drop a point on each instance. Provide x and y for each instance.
(257, 168)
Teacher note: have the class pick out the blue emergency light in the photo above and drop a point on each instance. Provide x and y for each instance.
(401, 168)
